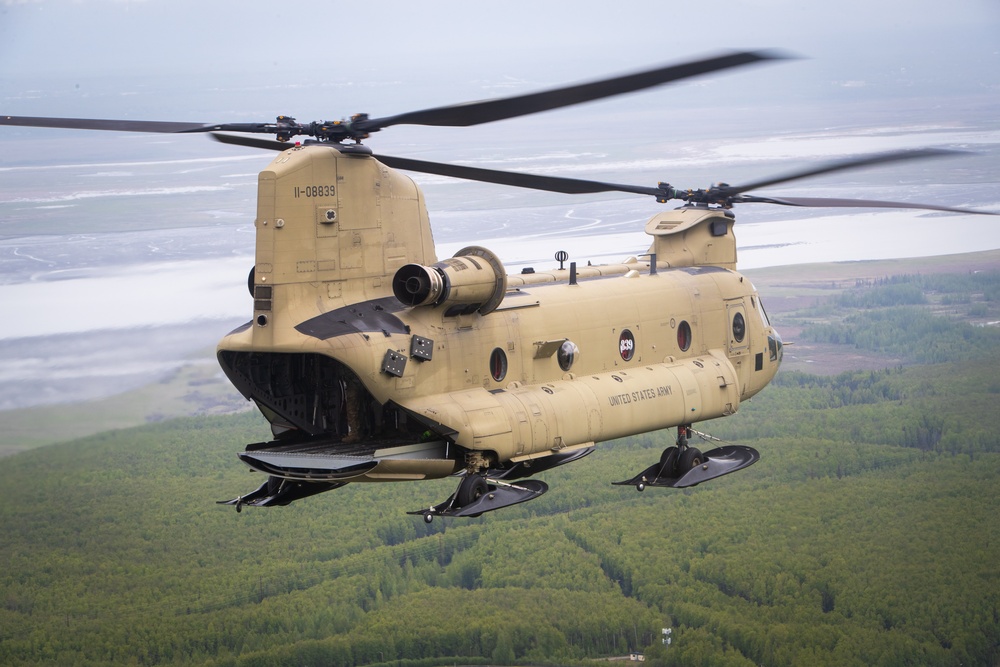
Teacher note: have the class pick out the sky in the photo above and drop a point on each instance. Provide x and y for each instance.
(852, 42)
(118, 36)
(212, 62)
(859, 64)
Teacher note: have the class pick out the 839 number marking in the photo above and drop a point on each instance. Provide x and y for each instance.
(626, 345)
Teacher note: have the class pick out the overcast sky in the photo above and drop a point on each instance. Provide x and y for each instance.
(887, 44)
(170, 35)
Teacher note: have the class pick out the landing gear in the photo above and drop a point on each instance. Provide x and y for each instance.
(690, 459)
(471, 489)
(677, 460)
(668, 459)
(486, 485)
(478, 493)
(276, 492)
(682, 465)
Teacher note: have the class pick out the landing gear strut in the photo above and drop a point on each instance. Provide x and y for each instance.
(682, 465)
(677, 460)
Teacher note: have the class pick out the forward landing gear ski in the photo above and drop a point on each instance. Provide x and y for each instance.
(682, 466)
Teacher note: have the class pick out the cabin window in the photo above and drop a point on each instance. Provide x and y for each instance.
(498, 364)
(761, 311)
(684, 336)
(567, 355)
(739, 327)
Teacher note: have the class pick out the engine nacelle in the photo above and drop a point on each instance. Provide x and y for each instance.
(474, 279)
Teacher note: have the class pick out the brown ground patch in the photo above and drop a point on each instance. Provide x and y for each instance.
(828, 359)
(786, 291)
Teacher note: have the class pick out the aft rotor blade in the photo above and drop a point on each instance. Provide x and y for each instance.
(458, 115)
(662, 193)
(516, 179)
(166, 127)
(829, 202)
(486, 111)
(252, 142)
(845, 165)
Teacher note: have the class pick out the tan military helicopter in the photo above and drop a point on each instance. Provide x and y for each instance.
(374, 361)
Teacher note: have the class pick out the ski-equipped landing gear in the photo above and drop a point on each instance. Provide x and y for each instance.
(478, 493)
(682, 465)
(277, 491)
(490, 488)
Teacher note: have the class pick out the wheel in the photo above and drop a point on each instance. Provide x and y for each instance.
(640, 487)
(273, 485)
(667, 453)
(471, 489)
(668, 462)
(690, 459)
(428, 518)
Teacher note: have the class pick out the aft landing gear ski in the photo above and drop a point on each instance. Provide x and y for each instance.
(682, 466)
(477, 494)
(491, 489)
(277, 491)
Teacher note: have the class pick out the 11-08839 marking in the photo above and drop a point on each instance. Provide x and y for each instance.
(314, 191)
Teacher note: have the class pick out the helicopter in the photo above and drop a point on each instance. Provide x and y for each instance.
(373, 360)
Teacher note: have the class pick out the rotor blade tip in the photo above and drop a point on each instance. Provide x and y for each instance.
(777, 54)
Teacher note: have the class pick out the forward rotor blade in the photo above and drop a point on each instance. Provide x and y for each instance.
(486, 111)
(845, 165)
(516, 179)
(828, 202)
(166, 127)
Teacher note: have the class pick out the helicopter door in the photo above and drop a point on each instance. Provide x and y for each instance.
(739, 336)
(739, 341)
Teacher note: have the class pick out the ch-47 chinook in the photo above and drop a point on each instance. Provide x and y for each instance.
(376, 361)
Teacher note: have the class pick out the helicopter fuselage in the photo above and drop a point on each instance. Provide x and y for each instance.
(454, 365)
(373, 360)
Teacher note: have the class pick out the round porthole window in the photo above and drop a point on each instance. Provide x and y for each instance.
(498, 364)
(567, 355)
(684, 336)
(739, 327)
(626, 345)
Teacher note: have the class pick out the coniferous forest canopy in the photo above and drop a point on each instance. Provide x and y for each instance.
(868, 534)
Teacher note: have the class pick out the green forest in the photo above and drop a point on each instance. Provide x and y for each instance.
(868, 534)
